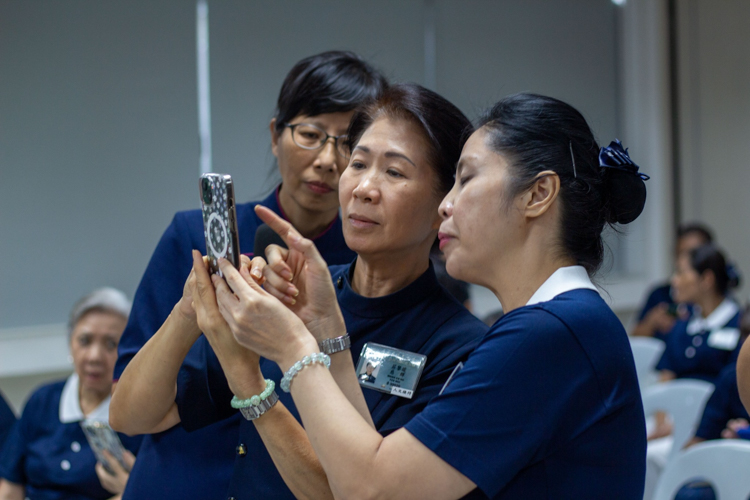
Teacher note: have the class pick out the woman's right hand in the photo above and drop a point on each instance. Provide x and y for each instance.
(185, 305)
(299, 277)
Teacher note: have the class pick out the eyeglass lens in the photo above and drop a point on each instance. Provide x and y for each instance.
(311, 137)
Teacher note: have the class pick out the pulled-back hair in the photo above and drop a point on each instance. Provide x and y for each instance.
(695, 228)
(537, 133)
(444, 125)
(330, 82)
(709, 258)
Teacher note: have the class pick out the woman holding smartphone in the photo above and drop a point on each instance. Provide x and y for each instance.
(390, 299)
(548, 405)
(316, 102)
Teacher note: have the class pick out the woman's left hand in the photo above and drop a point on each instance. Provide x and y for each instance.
(260, 321)
(240, 365)
(115, 483)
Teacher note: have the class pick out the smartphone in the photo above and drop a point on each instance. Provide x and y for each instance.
(219, 220)
(101, 437)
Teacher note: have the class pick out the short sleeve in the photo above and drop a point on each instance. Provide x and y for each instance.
(161, 286)
(13, 456)
(658, 295)
(494, 417)
(203, 394)
(666, 362)
(718, 410)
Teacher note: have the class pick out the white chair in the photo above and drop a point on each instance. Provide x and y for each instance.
(646, 352)
(724, 463)
(683, 400)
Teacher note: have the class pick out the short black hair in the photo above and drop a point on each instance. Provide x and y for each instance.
(695, 228)
(330, 82)
(446, 128)
(537, 133)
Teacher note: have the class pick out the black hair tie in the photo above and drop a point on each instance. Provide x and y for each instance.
(616, 156)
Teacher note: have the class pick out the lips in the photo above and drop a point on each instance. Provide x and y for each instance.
(319, 187)
(444, 239)
(361, 221)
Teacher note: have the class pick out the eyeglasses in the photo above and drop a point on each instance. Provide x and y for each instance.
(309, 136)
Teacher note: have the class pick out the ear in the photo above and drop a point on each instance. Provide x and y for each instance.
(708, 280)
(274, 137)
(542, 194)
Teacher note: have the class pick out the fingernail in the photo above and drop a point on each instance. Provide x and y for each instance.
(294, 237)
(256, 273)
(286, 274)
(214, 278)
(292, 290)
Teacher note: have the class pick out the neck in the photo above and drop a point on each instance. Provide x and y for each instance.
(89, 399)
(516, 277)
(309, 224)
(380, 275)
(709, 304)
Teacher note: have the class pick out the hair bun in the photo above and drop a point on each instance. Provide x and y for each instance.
(627, 196)
(623, 183)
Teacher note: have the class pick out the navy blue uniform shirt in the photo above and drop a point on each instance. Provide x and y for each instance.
(422, 317)
(547, 407)
(661, 294)
(701, 347)
(52, 459)
(7, 419)
(723, 405)
(176, 464)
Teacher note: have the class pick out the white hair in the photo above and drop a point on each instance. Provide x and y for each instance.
(102, 299)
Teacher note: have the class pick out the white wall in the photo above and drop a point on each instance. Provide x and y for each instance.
(98, 117)
(714, 87)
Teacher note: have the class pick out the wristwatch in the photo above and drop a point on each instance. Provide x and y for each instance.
(335, 344)
(252, 412)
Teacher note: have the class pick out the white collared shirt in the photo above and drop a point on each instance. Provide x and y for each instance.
(563, 280)
(717, 319)
(70, 404)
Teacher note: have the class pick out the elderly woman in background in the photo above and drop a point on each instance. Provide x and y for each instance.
(47, 455)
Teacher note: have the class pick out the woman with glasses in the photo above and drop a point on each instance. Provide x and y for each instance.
(315, 104)
(397, 317)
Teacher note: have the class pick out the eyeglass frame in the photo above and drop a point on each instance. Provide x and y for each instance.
(336, 139)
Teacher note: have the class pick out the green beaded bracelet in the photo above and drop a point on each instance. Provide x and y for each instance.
(238, 403)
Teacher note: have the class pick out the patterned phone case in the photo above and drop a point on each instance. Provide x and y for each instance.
(219, 220)
(101, 437)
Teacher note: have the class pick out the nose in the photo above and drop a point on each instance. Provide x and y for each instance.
(326, 160)
(95, 353)
(367, 188)
(446, 207)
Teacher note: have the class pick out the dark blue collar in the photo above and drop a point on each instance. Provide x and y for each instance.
(389, 305)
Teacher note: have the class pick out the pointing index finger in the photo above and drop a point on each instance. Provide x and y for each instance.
(279, 225)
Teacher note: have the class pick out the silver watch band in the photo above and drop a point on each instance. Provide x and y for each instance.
(336, 344)
(252, 412)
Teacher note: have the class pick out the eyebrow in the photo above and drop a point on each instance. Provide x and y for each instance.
(388, 154)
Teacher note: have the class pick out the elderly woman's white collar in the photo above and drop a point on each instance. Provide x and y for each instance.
(70, 405)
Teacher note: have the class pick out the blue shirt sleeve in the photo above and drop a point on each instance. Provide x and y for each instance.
(13, 457)
(161, 286)
(723, 405)
(659, 295)
(7, 419)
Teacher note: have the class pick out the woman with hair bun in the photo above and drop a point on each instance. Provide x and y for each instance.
(701, 346)
(548, 405)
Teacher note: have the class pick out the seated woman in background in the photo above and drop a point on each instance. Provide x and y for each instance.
(47, 455)
(660, 311)
(548, 405)
(701, 346)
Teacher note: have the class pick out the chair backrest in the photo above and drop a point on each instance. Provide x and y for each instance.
(724, 463)
(683, 400)
(646, 352)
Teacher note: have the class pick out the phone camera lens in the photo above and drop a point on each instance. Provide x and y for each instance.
(206, 189)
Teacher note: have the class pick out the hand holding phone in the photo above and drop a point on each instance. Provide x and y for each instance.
(101, 437)
(219, 220)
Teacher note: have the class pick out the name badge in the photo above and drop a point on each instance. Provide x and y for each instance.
(390, 370)
(725, 339)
